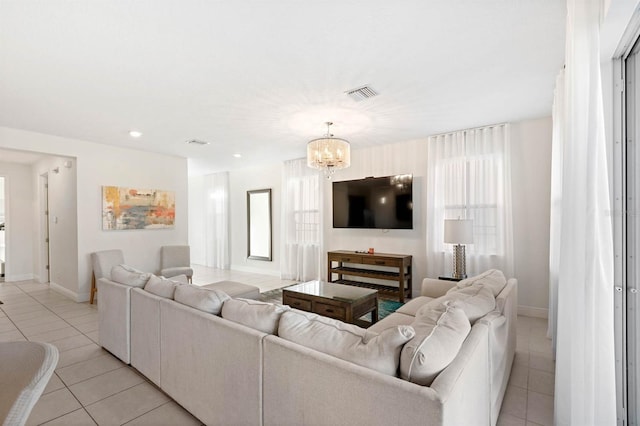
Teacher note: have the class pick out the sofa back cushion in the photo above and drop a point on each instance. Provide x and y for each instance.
(440, 332)
(161, 286)
(260, 316)
(127, 275)
(380, 352)
(493, 279)
(180, 279)
(203, 299)
(476, 301)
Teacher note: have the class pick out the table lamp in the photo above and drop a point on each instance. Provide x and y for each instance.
(458, 232)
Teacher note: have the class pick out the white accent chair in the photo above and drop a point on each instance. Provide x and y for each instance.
(25, 370)
(175, 260)
(102, 262)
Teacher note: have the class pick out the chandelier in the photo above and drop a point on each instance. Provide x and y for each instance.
(328, 153)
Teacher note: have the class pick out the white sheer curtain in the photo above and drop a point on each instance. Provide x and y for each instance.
(555, 216)
(301, 253)
(216, 220)
(585, 392)
(469, 177)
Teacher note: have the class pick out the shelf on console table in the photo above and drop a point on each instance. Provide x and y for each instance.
(366, 269)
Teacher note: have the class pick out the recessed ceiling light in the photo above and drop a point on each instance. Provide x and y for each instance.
(237, 155)
(135, 133)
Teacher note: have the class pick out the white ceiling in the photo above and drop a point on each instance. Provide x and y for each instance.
(261, 77)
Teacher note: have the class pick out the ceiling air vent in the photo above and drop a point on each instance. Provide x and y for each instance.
(197, 142)
(361, 93)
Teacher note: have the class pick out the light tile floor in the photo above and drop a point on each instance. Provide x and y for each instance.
(90, 386)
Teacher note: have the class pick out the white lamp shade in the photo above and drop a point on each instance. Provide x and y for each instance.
(458, 231)
(328, 152)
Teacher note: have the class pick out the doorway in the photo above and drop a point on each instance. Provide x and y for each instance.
(627, 303)
(44, 223)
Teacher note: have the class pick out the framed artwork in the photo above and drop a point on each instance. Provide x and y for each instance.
(134, 208)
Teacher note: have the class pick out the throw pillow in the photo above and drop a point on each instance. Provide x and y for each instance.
(260, 316)
(476, 301)
(440, 332)
(127, 275)
(161, 286)
(380, 352)
(493, 279)
(203, 299)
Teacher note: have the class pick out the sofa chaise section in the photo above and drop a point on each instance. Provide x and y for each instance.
(211, 366)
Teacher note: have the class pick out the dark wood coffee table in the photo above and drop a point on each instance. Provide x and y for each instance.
(343, 302)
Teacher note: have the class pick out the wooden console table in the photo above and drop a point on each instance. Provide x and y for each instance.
(352, 264)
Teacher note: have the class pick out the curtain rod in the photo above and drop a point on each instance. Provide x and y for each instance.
(468, 130)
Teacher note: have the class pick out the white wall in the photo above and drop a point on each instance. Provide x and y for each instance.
(98, 165)
(20, 216)
(240, 182)
(531, 195)
(400, 158)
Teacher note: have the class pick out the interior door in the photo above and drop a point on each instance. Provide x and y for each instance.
(46, 269)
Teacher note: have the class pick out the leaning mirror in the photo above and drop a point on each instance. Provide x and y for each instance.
(259, 224)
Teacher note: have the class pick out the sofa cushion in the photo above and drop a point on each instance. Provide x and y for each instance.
(476, 301)
(180, 279)
(203, 299)
(161, 286)
(390, 321)
(127, 275)
(380, 352)
(260, 316)
(411, 307)
(493, 279)
(236, 289)
(440, 332)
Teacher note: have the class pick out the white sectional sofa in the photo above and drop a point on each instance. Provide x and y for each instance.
(114, 305)
(244, 372)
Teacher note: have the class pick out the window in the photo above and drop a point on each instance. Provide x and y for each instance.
(469, 178)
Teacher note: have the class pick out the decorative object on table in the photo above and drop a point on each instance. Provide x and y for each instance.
(458, 232)
(133, 208)
(328, 153)
(371, 250)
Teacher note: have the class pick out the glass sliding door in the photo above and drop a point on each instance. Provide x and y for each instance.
(632, 222)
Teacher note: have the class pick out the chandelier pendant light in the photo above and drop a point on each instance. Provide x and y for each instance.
(328, 153)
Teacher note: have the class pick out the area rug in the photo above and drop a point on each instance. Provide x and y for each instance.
(385, 306)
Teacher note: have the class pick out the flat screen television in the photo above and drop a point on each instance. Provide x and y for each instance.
(374, 203)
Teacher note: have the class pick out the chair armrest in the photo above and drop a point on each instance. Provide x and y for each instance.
(432, 287)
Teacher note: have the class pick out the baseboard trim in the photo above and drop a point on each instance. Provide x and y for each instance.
(271, 273)
(530, 311)
(68, 293)
(14, 278)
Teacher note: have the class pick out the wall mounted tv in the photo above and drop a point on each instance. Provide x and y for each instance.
(374, 203)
